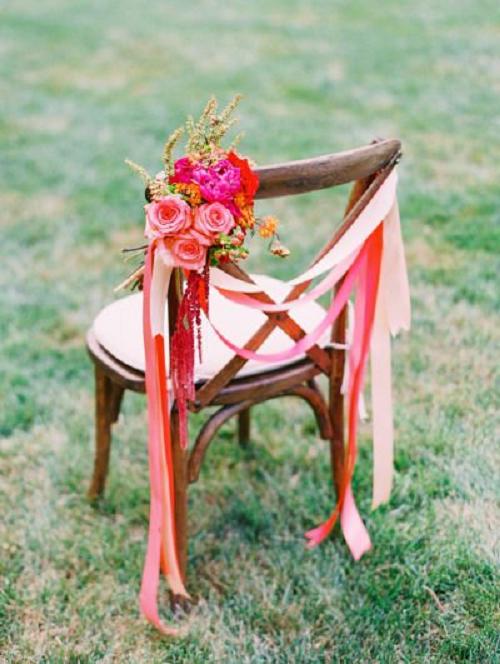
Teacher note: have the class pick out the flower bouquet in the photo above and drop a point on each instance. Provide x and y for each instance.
(201, 206)
(200, 211)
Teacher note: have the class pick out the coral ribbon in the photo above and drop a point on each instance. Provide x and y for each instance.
(364, 271)
(161, 547)
(380, 309)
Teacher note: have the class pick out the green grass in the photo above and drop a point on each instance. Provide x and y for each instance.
(84, 85)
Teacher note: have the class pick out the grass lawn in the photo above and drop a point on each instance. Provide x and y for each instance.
(84, 85)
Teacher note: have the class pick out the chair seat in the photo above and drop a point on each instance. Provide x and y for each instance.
(118, 329)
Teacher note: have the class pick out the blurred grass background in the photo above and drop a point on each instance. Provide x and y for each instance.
(84, 85)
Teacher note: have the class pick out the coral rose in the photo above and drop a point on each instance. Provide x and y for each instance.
(170, 215)
(213, 218)
(185, 251)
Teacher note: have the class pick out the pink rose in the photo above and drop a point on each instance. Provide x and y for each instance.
(213, 218)
(169, 216)
(202, 239)
(184, 251)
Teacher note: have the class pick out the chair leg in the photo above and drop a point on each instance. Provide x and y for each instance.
(336, 399)
(337, 444)
(180, 461)
(244, 427)
(337, 370)
(108, 398)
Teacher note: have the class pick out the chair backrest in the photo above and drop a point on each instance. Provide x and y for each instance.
(366, 167)
(305, 175)
(359, 166)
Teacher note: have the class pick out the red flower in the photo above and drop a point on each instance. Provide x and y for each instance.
(183, 171)
(249, 180)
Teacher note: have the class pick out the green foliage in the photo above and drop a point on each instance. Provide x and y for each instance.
(82, 86)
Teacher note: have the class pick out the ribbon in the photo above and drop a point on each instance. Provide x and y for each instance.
(365, 269)
(161, 547)
(307, 341)
(376, 210)
(354, 531)
(369, 258)
(336, 273)
(380, 309)
(392, 315)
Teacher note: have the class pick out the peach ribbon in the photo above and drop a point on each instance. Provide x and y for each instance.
(393, 314)
(307, 341)
(326, 285)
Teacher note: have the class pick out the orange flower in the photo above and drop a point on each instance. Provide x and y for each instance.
(268, 227)
(190, 191)
(247, 220)
(241, 200)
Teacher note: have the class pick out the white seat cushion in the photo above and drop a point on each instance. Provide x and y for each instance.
(118, 328)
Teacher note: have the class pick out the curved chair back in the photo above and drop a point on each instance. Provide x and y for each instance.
(305, 175)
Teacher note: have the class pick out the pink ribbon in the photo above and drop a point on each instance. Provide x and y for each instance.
(365, 269)
(320, 289)
(310, 339)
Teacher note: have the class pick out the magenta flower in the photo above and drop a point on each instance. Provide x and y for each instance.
(183, 170)
(218, 182)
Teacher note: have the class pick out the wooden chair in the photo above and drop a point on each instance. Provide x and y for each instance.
(230, 387)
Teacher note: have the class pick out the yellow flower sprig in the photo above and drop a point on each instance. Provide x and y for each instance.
(268, 228)
(169, 148)
(204, 136)
(140, 170)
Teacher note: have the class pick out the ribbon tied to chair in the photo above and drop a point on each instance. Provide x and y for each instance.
(368, 263)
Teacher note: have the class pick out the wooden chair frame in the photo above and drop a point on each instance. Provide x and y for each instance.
(367, 168)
